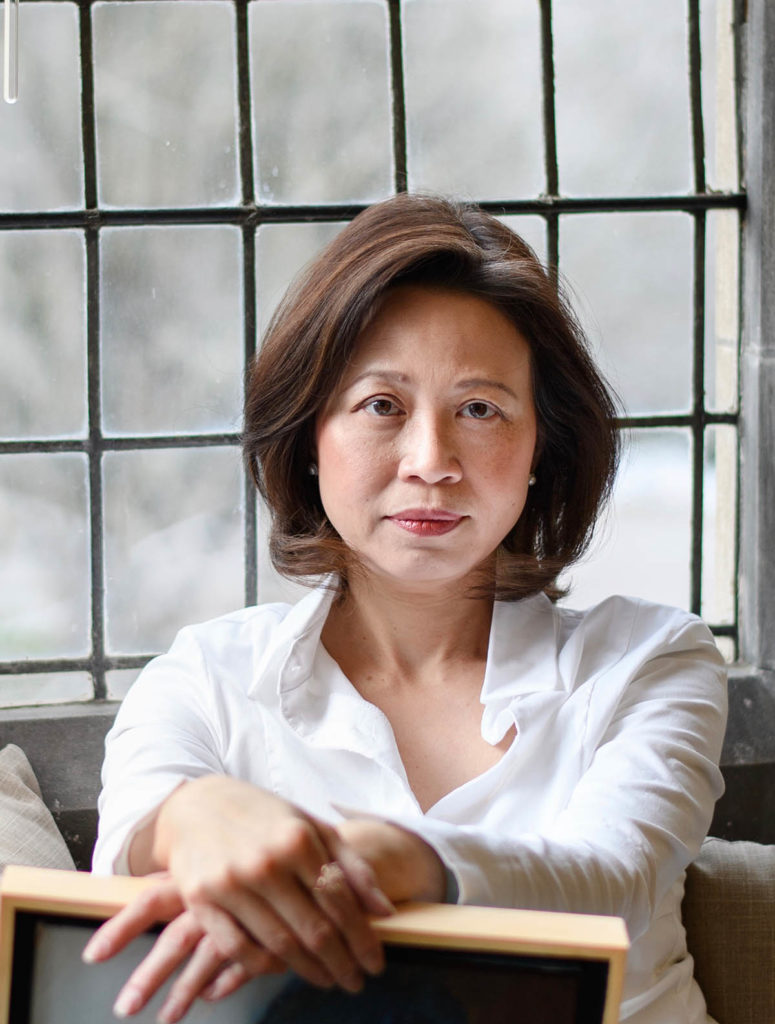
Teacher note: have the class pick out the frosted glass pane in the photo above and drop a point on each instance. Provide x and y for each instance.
(166, 103)
(281, 252)
(622, 97)
(119, 680)
(172, 332)
(44, 688)
(44, 556)
(719, 526)
(173, 544)
(40, 135)
(631, 283)
(42, 299)
(473, 97)
(642, 549)
(717, 20)
(532, 230)
(722, 311)
(321, 101)
(271, 585)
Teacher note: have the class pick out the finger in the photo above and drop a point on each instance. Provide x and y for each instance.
(363, 879)
(161, 903)
(250, 929)
(169, 951)
(336, 898)
(233, 977)
(202, 967)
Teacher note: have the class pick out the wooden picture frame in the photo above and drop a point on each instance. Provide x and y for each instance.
(470, 964)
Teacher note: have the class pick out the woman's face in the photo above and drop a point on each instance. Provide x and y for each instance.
(425, 449)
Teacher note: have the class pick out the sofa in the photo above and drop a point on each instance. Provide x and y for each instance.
(729, 903)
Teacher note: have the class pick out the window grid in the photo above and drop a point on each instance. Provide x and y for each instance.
(249, 215)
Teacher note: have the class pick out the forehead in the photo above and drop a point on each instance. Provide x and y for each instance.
(415, 321)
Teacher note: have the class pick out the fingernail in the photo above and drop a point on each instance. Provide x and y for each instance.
(129, 1001)
(353, 983)
(383, 901)
(94, 950)
(373, 961)
(170, 1013)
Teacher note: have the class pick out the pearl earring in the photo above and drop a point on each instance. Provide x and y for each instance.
(531, 480)
(312, 469)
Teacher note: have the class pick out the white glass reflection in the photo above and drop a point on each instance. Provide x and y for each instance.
(622, 97)
(44, 556)
(171, 330)
(282, 251)
(173, 542)
(321, 101)
(166, 103)
(473, 97)
(40, 135)
(642, 548)
(630, 281)
(44, 688)
(43, 377)
(719, 525)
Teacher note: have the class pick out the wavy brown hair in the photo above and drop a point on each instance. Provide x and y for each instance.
(424, 240)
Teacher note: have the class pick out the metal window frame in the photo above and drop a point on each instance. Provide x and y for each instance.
(249, 215)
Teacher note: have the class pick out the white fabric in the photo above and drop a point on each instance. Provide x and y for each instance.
(599, 804)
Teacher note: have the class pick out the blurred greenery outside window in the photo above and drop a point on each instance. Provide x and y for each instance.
(169, 167)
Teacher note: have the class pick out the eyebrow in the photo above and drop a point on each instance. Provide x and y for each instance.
(396, 377)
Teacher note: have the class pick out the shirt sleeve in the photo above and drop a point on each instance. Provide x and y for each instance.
(637, 815)
(165, 733)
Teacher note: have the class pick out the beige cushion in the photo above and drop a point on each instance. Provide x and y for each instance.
(729, 913)
(28, 834)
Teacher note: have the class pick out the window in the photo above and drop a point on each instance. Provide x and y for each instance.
(172, 163)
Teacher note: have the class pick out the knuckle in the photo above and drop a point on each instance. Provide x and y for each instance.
(235, 946)
(282, 944)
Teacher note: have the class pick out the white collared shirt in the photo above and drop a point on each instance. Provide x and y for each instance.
(597, 806)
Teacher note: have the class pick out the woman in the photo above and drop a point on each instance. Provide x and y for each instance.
(430, 434)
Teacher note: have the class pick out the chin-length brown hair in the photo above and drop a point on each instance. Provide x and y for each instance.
(424, 240)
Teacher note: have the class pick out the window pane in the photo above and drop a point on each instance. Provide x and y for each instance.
(722, 311)
(44, 688)
(119, 680)
(281, 252)
(532, 230)
(473, 97)
(643, 547)
(173, 545)
(40, 136)
(166, 103)
(622, 97)
(719, 525)
(43, 381)
(717, 19)
(630, 278)
(271, 585)
(172, 332)
(321, 101)
(44, 556)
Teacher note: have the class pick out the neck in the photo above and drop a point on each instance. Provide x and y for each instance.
(403, 634)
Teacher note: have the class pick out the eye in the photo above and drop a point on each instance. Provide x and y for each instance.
(382, 407)
(479, 411)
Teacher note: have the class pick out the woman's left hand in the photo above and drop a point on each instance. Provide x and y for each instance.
(183, 943)
(406, 867)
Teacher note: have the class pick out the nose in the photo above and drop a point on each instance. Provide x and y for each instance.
(429, 453)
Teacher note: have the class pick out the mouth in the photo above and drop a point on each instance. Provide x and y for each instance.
(428, 522)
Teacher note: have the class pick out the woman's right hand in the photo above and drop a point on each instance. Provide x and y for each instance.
(266, 882)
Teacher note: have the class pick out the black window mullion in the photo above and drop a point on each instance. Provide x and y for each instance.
(698, 412)
(400, 170)
(551, 169)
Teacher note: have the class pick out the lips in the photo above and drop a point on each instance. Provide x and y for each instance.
(429, 522)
